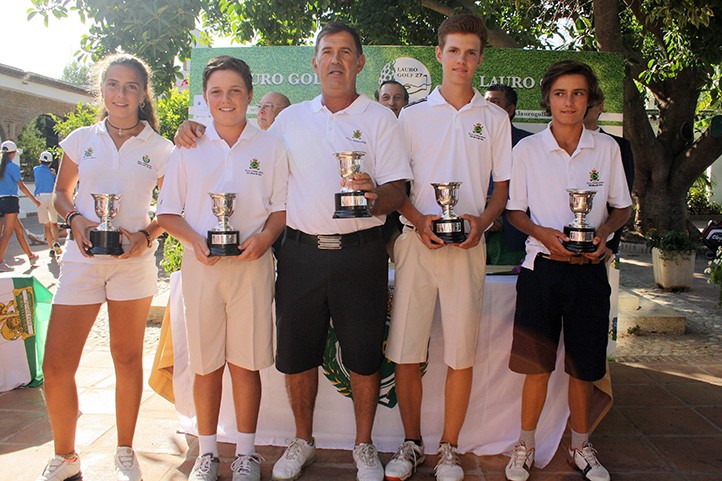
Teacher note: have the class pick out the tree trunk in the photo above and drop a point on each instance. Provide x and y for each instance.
(661, 207)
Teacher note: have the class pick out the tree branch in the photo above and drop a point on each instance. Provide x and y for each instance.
(497, 37)
(653, 27)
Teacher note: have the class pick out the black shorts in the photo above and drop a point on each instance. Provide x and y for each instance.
(558, 296)
(9, 204)
(314, 287)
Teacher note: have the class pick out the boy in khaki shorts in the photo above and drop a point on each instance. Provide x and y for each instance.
(227, 299)
(453, 135)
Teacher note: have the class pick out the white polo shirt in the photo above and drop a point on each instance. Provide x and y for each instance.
(312, 134)
(255, 168)
(131, 171)
(448, 145)
(543, 172)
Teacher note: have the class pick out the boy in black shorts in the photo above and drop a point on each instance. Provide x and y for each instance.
(559, 289)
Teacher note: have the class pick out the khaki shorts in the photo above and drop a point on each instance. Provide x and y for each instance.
(228, 311)
(46, 209)
(84, 283)
(452, 275)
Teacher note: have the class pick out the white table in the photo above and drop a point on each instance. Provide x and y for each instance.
(492, 423)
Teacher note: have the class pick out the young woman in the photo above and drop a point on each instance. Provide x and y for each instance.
(121, 154)
(10, 181)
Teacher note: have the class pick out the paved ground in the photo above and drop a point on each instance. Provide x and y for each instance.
(666, 423)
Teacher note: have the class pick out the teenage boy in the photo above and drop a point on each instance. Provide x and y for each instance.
(452, 135)
(559, 290)
(227, 299)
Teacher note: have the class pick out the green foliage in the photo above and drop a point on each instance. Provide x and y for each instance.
(82, 116)
(32, 144)
(714, 271)
(77, 73)
(671, 243)
(698, 202)
(155, 30)
(172, 254)
(171, 111)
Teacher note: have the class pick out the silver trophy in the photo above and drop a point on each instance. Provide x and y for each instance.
(350, 203)
(105, 238)
(223, 239)
(580, 232)
(450, 228)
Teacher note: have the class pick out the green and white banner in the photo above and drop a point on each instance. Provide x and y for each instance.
(288, 70)
(24, 313)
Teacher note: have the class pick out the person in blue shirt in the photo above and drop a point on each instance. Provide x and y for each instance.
(10, 180)
(47, 215)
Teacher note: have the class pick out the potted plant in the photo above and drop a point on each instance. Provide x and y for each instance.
(673, 256)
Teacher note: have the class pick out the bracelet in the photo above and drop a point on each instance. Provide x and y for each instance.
(148, 238)
(69, 215)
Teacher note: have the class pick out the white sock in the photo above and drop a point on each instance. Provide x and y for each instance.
(527, 437)
(207, 444)
(245, 443)
(578, 439)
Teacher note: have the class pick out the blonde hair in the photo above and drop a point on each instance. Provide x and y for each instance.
(145, 109)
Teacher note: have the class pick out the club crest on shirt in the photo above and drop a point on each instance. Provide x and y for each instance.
(88, 153)
(254, 167)
(145, 162)
(594, 179)
(357, 136)
(477, 132)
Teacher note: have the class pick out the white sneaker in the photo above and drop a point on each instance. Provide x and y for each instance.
(4, 267)
(448, 466)
(126, 465)
(61, 469)
(405, 461)
(299, 454)
(368, 464)
(519, 466)
(585, 460)
(247, 467)
(205, 468)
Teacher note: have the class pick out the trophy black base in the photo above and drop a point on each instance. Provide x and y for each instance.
(223, 243)
(106, 243)
(580, 239)
(350, 205)
(451, 231)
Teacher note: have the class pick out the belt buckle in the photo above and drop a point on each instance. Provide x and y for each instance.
(329, 242)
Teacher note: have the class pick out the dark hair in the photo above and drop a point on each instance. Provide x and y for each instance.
(463, 23)
(226, 62)
(570, 67)
(334, 28)
(145, 109)
(392, 82)
(509, 93)
(4, 162)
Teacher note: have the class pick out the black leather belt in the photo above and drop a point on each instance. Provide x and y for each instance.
(334, 241)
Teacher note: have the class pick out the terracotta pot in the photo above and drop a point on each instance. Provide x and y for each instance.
(673, 273)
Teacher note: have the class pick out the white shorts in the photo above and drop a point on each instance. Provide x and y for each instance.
(228, 311)
(83, 283)
(46, 209)
(456, 277)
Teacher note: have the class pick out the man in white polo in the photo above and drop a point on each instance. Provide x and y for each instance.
(335, 268)
(453, 135)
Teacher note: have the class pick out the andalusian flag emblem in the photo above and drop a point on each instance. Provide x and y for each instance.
(24, 313)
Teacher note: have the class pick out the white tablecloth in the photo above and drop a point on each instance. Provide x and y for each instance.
(492, 423)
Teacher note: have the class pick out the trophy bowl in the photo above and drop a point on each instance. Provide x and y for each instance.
(223, 239)
(350, 203)
(579, 231)
(105, 238)
(450, 228)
